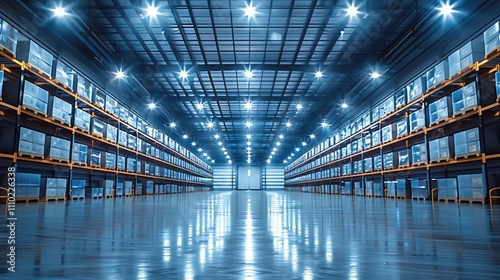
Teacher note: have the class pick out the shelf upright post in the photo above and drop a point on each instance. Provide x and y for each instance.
(482, 135)
(17, 130)
(72, 142)
(428, 152)
(116, 162)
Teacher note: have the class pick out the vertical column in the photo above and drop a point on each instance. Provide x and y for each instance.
(482, 136)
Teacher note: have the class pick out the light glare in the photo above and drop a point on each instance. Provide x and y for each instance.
(250, 11)
(59, 12)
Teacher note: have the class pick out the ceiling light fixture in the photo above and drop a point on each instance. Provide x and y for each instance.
(200, 150)
(285, 161)
(446, 9)
(304, 144)
(281, 136)
(120, 74)
(375, 75)
(319, 74)
(248, 124)
(270, 157)
(268, 161)
(288, 124)
(324, 124)
(151, 11)
(59, 12)
(299, 106)
(151, 105)
(273, 153)
(289, 157)
(223, 149)
(278, 143)
(220, 143)
(230, 161)
(249, 136)
(249, 161)
(312, 136)
(250, 11)
(297, 149)
(213, 161)
(249, 143)
(248, 74)
(193, 143)
(183, 74)
(217, 136)
(352, 10)
(225, 153)
(172, 125)
(249, 149)
(344, 105)
(184, 136)
(200, 106)
(248, 106)
(275, 149)
(210, 124)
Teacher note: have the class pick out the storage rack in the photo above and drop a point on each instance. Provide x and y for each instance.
(325, 168)
(171, 168)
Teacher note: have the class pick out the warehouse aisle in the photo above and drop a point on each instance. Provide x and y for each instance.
(256, 235)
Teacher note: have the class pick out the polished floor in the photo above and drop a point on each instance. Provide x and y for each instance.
(254, 235)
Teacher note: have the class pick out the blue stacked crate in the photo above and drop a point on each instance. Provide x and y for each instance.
(368, 164)
(403, 159)
(440, 149)
(127, 188)
(108, 160)
(8, 37)
(108, 188)
(346, 169)
(401, 127)
(131, 164)
(378, 189)
(123, 112)
(35, 98)
(437, 74)
(390, 187)
(60, 110)
(369, 188)
(79, 154)
(375, 114)
(377, 163)
(358, 189)
(95, 158)
(131, 142)
(97, 192)
(400, 98)
(388, 160)
(77, 189)
(366, 123)
(31, 143)
(57, 149)
(85, 89)
(138, 189)
(419, 189)
(417, 120)
(121, 163)
(367, 141)
(98, 127)
(347, 188)
(415, 89)
(471, 187)
(138, 167)
(36, 57)
(447, 189)
(439, 111)
(491, 38)
(99, 99)
(376, 139)
(419, 154)
(28, 186)
(464, 57)
(403, 188)
(82, 120)
(122, 138)
(464, 99)
(467, 143)
(55, 187)
(119, 189)
(111, 133)
(64, 75)
(386, 107)
(388, 133)
(132, 119)
(111, 106)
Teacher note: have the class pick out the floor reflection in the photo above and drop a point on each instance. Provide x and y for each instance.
(255, 235)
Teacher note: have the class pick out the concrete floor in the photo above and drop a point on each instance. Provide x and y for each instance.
(254, 235)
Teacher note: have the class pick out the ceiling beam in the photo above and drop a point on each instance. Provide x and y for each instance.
(141, 69)
(178, 99)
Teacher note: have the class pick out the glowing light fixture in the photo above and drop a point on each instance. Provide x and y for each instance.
(217, 136)
(248, 124)
(120, 74)
(184, 136)
(151, 105)
(375, 75)
(250, 11)
(304, 144)
(446, 9)
(248, 106)
(193, 143)
(249, 136)
(344, 105)
(281, 136)
(297, 149)
(299, 107)
(210, 124)
(173, 125)
(248, 74)
(319, 74)
(59, 12)
(200, 106)
(312, 136)
(352, 10)
(184, 74)
(288, 124)
(151, 11)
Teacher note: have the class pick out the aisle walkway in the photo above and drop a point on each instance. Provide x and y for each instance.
(255, 235)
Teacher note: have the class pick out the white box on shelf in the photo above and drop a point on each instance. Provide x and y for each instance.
(437, 74)
(64, 74)
(8, 37)
(85, 89)
(415, 89)
(35, 56)
(417, 120)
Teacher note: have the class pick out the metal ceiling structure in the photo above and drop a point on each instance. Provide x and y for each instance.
(284, 45)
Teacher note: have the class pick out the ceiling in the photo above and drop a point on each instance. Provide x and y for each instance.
(284, 44)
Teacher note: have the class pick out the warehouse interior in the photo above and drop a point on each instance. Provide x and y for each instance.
(266, 139)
